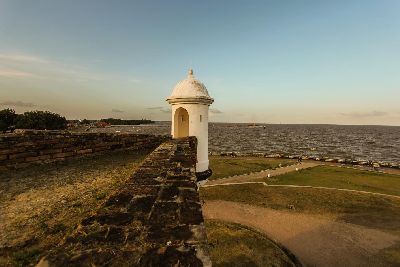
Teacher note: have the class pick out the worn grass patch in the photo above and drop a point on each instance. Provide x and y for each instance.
(236, 245)
(41, 204)
(335, 177)
(362, 209)
(224, 166)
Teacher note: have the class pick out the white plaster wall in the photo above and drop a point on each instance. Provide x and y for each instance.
(196, 128)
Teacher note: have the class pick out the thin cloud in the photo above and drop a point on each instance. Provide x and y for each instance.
(18, 104)
(15, 73)
(215, 111)
(23, 58)
(117, 110)
(33, 65)
(161, 109)
(374, 113)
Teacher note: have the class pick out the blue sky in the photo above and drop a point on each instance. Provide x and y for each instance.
(262, 61)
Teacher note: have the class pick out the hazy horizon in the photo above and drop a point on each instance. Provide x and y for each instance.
(303, 62)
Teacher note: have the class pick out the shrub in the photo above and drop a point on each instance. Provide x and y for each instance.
(41, 120)
(7, 118)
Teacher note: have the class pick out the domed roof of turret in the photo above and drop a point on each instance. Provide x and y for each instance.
(190, 88)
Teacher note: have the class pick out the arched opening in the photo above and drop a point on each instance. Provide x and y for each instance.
(181, 123)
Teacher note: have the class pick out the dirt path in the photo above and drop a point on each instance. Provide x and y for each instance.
(263, 174)
(316, 240)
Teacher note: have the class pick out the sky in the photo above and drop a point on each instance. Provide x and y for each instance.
(306, 61)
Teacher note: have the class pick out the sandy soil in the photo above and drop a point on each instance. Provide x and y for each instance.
(315, 240)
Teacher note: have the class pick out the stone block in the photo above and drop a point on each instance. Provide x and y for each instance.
(50, 151)
(38, 158)
(12, 151)
(62, 155)
(84, 151)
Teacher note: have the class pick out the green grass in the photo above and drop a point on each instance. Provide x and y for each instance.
(335, 177)
(236, 245)
(362, 209)
(224, 166)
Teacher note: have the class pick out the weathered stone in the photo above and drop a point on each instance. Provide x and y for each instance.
(188, 195)
(11, 151)
(111, 217)
(84, 151)
(63, 155)
(171, 256)
(190, 213)
(50, 151)
(63, 144)
(144, 224)
(22, 155)
(169, 193)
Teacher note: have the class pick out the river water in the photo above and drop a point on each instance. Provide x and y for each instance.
(362, 143)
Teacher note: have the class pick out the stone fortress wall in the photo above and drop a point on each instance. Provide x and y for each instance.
(154, 219)
(27, 147)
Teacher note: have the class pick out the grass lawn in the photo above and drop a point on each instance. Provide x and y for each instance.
(336, 177)
(236, 245)
(225, 166)
(357, 208)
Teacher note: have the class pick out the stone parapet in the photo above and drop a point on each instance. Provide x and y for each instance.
(27, 147)
(154, 219)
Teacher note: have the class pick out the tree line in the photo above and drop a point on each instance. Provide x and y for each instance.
(40, 120)
(46, 120)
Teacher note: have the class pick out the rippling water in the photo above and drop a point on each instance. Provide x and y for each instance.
(376, 143)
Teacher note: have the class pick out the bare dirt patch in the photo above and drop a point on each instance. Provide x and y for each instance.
(39, 205)
(316, 240)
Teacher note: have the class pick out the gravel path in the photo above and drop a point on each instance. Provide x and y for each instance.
(315, 240)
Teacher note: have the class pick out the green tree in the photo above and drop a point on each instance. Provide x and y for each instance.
(7, 118)
(41, 120)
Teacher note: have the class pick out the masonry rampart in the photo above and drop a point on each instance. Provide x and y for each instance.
(154, 219)
(27, 147)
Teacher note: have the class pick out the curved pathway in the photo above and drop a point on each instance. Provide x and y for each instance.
(303, 186)
(315, 240)
(263, 174)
